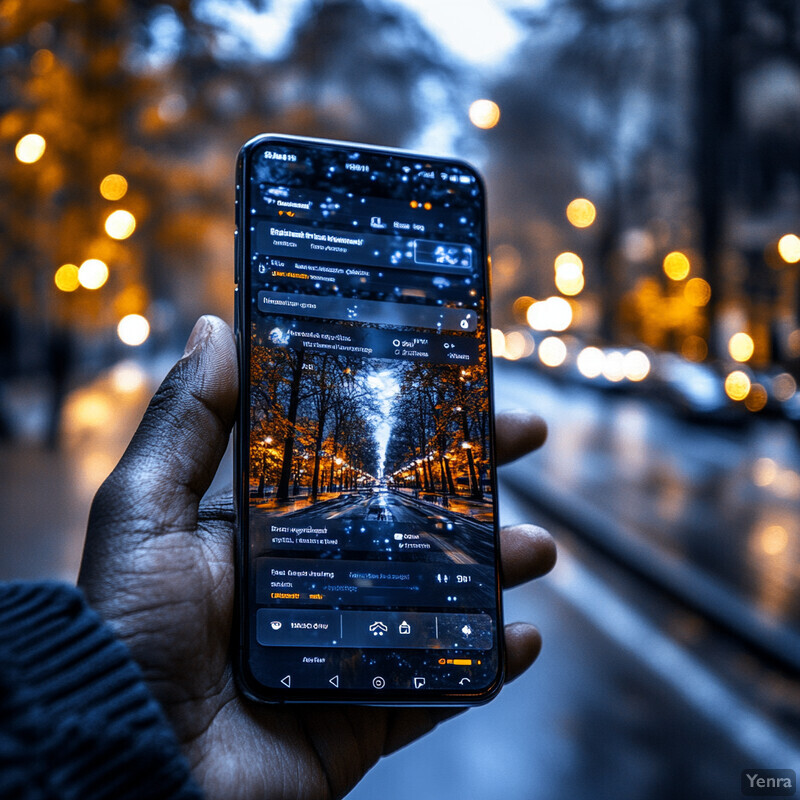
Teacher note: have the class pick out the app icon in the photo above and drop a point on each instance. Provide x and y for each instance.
(466, 630)
(275, 625)
(378, 628)
(419, 683)
(404, 628)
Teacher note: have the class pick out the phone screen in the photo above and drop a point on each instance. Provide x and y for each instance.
(368, 540)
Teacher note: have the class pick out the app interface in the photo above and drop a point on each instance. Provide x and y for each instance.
(370, 520)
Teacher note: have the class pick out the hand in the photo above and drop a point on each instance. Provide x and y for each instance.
(158, 565)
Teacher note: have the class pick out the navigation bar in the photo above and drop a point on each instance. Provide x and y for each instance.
(380, 629)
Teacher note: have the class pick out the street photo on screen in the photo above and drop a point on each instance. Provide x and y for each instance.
(337, 435)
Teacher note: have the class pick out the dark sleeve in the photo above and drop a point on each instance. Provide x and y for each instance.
(76, 717)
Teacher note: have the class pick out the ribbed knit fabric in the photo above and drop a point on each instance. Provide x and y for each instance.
(76, 718)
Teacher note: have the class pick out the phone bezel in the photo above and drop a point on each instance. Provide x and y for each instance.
(249, 685)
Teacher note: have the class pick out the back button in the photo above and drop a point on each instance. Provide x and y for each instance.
(287, 681)
(334, 681)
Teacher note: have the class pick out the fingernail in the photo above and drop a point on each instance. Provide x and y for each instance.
(198, 335)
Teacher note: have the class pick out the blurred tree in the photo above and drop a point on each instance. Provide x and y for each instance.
(612, 131)
(165, 94)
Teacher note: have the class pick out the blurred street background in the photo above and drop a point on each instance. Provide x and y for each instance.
(643, 167)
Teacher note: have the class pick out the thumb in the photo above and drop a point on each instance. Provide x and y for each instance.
(158, 484)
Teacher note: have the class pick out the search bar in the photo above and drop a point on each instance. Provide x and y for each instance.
(401, 315)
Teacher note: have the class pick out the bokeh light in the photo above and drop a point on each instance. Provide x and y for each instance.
(498, 343)
(552, 351)
(484, 114)
(789, 248)
(568, 258)
(741, 346)
(42, 62)
(590, 362)
(93, 273)
(113, 187)
(66, 278)
(30, 148)
(133, 329)
(636, 365)
(553, 314)
(756, 398)
(120, 224)
(614, 366)
(694, 348)
(784, 387)
(521, 306)
(737, 385)
(518, 345)
(676, 265)
(765, 470)
(773, 540)
(128, 377)
(569, 279)
(581, 212)
(697, 292)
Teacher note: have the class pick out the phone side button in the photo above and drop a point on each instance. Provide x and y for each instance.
(236, 255)
(236, 309)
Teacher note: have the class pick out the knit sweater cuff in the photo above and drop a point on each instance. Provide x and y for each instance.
(78, 719)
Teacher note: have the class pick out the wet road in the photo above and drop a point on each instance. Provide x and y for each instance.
(726, 501)
(461, 539)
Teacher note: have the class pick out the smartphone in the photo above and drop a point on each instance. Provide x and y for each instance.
(367, 564)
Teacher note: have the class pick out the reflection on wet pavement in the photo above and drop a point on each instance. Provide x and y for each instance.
(725, 501)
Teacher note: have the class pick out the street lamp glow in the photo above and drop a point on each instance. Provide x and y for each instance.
(789, 248)
(93, 273)
(30, 148)
(741, 346)
(737, 385)
(581, 212)
(552, 351)
(590, 362)
(120, 224)
(113, 187)
(66, 278)
(484, 114)
(676, 265)
(133, 330)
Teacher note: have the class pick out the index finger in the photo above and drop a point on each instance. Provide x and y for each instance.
(518, 433)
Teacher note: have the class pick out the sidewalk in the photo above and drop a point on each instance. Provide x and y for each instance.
(45, 495)
(479, 511)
